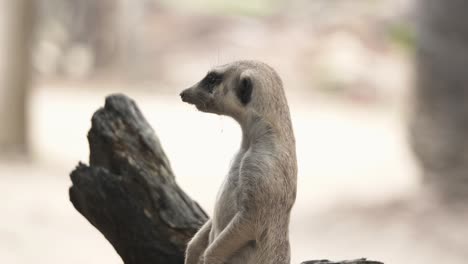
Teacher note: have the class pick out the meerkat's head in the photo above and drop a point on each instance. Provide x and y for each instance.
(238, 89)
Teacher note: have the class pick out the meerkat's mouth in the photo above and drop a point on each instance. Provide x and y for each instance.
(200, 101)
(200, 107)
(204, 106)
(197, 102)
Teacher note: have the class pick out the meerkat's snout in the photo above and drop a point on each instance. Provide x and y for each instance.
(196, 96)
(191, 96)
(183, 96)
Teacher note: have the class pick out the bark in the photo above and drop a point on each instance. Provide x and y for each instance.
(439, 127)
(129, 192)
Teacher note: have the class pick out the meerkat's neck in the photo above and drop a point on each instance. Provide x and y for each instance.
(258, 131)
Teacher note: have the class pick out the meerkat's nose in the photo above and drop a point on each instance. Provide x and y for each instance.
(183, 95)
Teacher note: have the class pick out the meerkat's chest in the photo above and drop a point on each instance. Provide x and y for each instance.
(226, 204)
(227, 200)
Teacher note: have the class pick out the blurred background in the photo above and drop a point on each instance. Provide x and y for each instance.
(378, 93)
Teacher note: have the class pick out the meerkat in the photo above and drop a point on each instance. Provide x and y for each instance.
(250, 221)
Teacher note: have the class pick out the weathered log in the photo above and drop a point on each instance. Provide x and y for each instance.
(129, 193)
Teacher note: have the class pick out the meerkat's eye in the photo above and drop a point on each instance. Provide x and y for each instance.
(211, 80)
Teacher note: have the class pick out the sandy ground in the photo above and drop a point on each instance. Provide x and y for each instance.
(352, 161)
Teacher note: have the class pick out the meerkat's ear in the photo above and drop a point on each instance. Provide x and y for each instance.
(244, 91)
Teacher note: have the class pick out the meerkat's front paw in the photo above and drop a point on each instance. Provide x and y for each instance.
(193, 257)
(209, 259)
(191, 260)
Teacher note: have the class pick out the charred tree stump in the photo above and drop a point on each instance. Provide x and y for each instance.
(129, 193)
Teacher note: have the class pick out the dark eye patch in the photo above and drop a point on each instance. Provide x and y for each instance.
(211, 80)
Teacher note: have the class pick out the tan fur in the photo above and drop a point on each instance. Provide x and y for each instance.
(251, 217)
